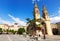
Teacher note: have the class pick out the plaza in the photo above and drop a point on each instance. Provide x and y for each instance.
(22, 38)
(29, 20)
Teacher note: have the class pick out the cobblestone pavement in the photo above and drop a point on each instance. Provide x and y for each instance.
(27, 38)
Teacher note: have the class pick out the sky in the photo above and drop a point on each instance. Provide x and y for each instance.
(18, 11)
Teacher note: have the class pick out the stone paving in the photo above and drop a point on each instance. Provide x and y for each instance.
(27, 38)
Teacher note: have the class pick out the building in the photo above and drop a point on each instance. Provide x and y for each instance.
(4, 26)
(56, 28)
(14, 27)
(46, 21)
(35, 27)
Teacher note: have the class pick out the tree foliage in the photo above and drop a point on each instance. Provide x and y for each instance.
(12, 31)
(0, 29)
(21, 30)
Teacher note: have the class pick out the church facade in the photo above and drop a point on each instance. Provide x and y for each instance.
(40, 24)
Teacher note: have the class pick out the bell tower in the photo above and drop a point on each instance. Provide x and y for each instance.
(36, 15)
(47, 21)
(36, 12)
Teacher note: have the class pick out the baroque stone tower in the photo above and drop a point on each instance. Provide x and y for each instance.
(36, 12)
(47, 21)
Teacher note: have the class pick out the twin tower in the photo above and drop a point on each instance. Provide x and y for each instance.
(45, 18)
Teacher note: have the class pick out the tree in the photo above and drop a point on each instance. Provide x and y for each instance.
(21, 31)
(28, 20)
(32, 24)
(33, 21)
(12, 31)
(0, 30)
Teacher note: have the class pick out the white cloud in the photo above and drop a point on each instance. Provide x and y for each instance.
(17, 20)
(56, 19)
(5, 22)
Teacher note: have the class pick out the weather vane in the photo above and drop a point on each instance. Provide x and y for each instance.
(35, 1)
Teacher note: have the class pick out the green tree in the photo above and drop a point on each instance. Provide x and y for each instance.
(21, 30)
(28, 20)
(32, 24)
(0, 30)
(12, 31)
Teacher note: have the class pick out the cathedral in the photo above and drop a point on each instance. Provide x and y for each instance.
(40, 24)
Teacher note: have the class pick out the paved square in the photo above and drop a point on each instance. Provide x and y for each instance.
(22, 38)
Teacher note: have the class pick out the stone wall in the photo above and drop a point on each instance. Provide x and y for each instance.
(56, 28)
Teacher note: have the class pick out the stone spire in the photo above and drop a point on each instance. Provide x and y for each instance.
(36, 13)
(47, 21)
(35, 5)
(45, 14)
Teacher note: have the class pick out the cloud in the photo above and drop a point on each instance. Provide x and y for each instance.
(5, 22)
(56, 19)
(17, 20)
